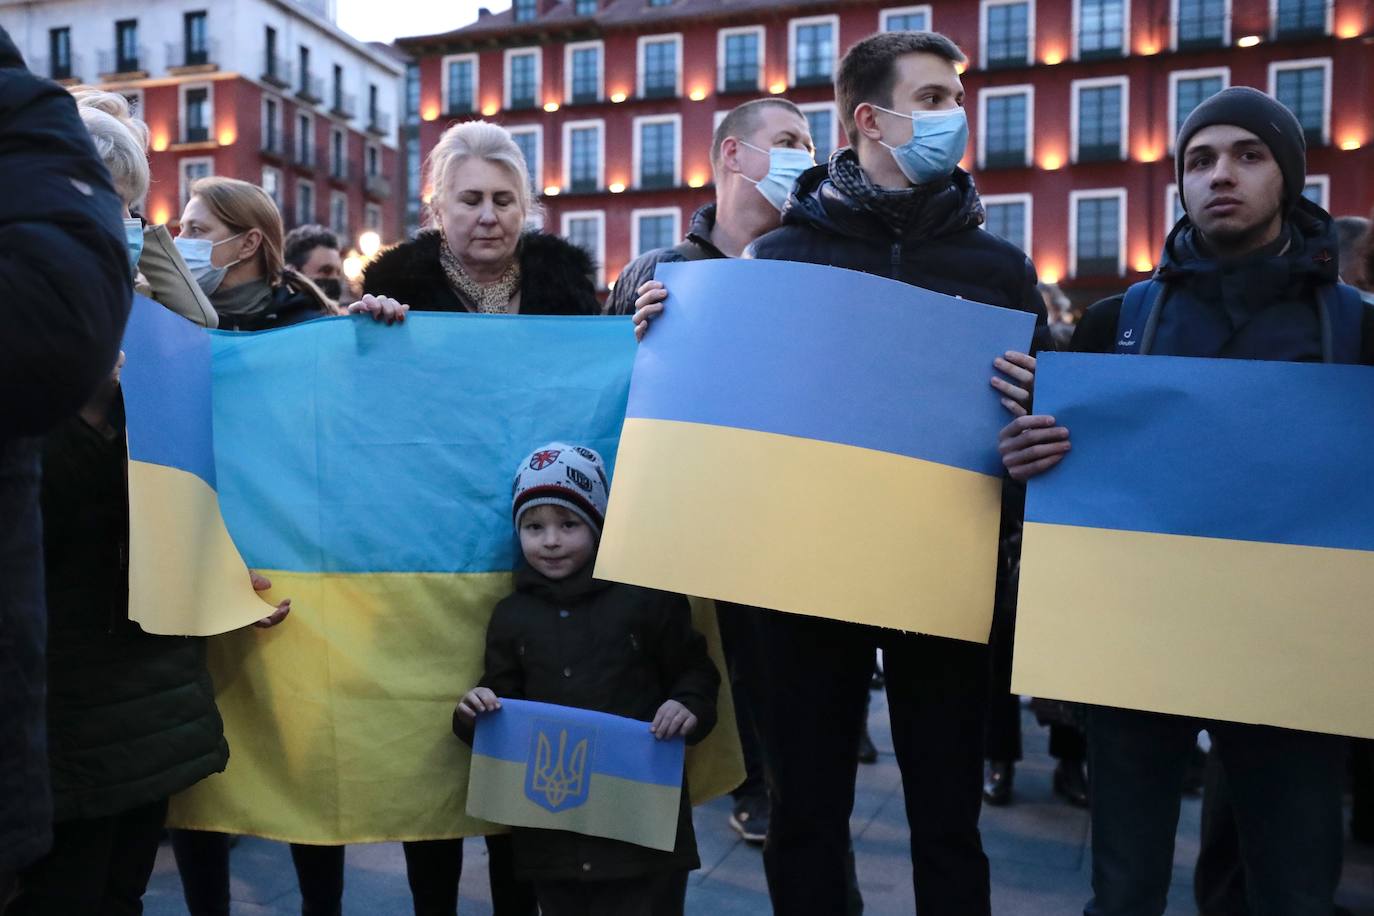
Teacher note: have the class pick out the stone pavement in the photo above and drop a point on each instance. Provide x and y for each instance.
(1038, 848)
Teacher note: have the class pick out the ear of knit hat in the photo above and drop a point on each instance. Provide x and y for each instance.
(564, 475)
(1266, 118)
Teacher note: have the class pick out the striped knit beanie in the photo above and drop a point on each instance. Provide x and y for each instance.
(563, 475)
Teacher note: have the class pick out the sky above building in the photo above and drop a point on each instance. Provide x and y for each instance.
(384, 20)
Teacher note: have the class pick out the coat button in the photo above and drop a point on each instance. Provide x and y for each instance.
(586, 866)
(562, 613)
(567, 672)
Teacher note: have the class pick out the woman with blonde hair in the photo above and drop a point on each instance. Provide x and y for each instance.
(232, 238)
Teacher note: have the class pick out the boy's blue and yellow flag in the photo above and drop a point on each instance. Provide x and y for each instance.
(559, 768)
(1207, 548)
(367, 471)
(815, 440)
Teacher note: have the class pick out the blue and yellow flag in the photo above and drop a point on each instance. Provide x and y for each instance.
(559, 768)
(815, 440)
(186, 577)
(367, 471)
(1207, 548)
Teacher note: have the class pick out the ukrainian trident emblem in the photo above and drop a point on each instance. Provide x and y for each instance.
(556, 771)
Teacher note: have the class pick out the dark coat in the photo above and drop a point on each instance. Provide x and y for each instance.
(283, 308)
(65, 290)
(696, 247)
(555, 276)
(613, 648)
(131, 716)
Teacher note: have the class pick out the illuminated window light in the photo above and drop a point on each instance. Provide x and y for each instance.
(431, 112)
(353, 267)
(550, 107)
(1350, 144)
(161, 214)
(552, 190)
(1148, 155)
(1249, 41)
(490, 109)
(1052, 163)
(697, 95)
(1052, 58)
(696, 181)
(227, 136)
(160, 141)
(1049, 275)
(1348, 30)
(617, 97)
(1144, 265)
(369, 243)
(617, 188)
(778, 88)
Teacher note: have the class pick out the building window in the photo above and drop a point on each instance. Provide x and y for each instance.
(1200, 24)
(338, 153)
(60, 54)
(305, 203)
(525, 10)
(820, 120)
(1173, 208)
(584, 7)
(1005, 118)
(271, 125)
(413, 94)
(1101, 28)
(372, 217)
(585, 160)
(305, 141)
(660, 2)
(583, 62)
(126, 46)
(1009, 217)
(303, 66)
(196, 34)
(1097, 232)
(587, 230)
(191, 171)
(1317, 190)
(460, 85)
(374, 161)
(529, 139)
(658, 66)
(337, 92)
(271, 183)
(1006, 33)
(1300, 18)
(812, 61)
(195, 114)
(1189, 89)
(522, 79)
(338, 215)
(1305, 87)
(1099, 119)
(740, 52)
(656, 151)
(651, 229)
(905, 19)
(273, 68)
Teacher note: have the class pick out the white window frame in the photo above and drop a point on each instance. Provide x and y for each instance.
(756, 30)
(1307, 63)
(182, 125)
(1177, 76)
(834, 121)
(139, 111)
(476, 81)
(303, 114)
(301, 219)
(538, 54)
(368, 222)
(641, 44)
(1171, 194)
(538, 164)
(1097, 194)
(1225, 28)
(568, 128)
(600, 47)
(1274, 18)
(883, 15)
(1121, 82)
(1031, 57)
(1027, 89)
(599, 255)
(639, 122)
(833, 20)
(636, 215)
(281, 184)
(183, 185)
(715, 121)
(1324, 181)
(281, 131)
(1125, 28)
(335, 197)
(1026, 199)
(335, 130)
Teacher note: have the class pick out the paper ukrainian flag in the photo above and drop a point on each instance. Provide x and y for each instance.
(185, 575)
(815, 440)
(1207, 548)
(555, 767)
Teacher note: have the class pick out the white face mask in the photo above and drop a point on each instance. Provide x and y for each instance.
(785, 166)
(196, 253)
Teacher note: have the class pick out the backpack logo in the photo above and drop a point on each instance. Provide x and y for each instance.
(557, 780)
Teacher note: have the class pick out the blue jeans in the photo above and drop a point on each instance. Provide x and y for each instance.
(1285, 785)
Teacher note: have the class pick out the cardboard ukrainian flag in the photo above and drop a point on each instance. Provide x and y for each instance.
(186, 577)
(815, 440)
(367, 471)
(1207, 548)
(560, 768)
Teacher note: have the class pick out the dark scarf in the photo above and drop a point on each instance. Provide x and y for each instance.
(244, 302)
(898, 209)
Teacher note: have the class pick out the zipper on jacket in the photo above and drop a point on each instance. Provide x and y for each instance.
(897, 260)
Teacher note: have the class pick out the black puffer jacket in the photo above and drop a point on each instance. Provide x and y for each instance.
(555, 276)
(696, 247)
(131, 716)
(612, 648)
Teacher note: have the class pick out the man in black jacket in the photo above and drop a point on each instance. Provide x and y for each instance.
(64, 296)
(1250, 272)
(896, 205)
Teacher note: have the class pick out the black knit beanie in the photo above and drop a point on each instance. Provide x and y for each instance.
(1266, 118)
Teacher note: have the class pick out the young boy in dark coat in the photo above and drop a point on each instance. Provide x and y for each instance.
(564, 637)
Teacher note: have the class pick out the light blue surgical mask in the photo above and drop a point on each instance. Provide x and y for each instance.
(938, 140)
(133, 237)
(785, 166)
(196, 253)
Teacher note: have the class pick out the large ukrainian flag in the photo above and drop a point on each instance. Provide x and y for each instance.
(367, 471)
(1207, 548)
(815, 440)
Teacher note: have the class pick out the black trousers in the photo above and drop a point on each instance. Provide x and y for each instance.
(97, 866)
(433, 869)
(662, 894)
(812, 680)
(736, 635)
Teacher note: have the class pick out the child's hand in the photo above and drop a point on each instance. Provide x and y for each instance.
(475, 702)
(671, 720)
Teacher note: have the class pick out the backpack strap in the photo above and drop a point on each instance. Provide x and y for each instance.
(1139, 316)
(1342, 318)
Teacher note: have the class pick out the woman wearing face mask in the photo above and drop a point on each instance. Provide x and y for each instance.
(231, 237)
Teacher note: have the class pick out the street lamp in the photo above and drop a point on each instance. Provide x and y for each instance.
(369, 243)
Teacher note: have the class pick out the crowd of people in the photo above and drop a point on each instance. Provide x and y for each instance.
(102, 722)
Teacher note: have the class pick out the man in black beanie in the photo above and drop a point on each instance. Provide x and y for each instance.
(1249, 272)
